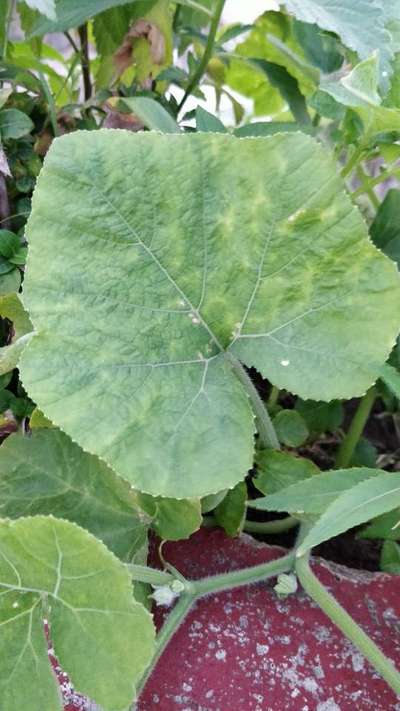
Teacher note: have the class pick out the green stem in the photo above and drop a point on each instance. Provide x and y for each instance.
(266, 527)
(143, 574)
(245, 576)
(207, 586)
(366, 187)
(273, 397)
(202, 66)
(167, 631)
(373, 182)
(352, 162)
(350, 441)
(266, 430)
(85, 61)
(346, 624)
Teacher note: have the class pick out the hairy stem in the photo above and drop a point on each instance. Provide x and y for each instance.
(278, 526)
(167, 631)
(351, 439)
(85, 62)
(143, 574)
(202, 66)
(346, 624)
(266, 430)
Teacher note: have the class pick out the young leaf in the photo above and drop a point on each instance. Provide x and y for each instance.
(290, 428)
(287, 86)
(48, 473)
(360, 25)
(386, 526)
(314, 495)
(153, 115)
(360, 503)
(172, 519)
(359, 90)
(186, 273)
(207, 122)
(320, 416)
(266, 128)
(278, 470)
(209, 503)
(14, 124)
(230, 514)
(102, 637)
(12, 309)
(390, 557)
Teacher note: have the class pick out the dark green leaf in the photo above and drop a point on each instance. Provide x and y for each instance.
(14, 124)
(265, 128)
(231, 512)
(321, 49)
(207, 123)
(153, 115)
(391, 378)
(386, 526)
(288, 87)
(290, 428)
(321, 416)
(172, 519)
(385, 229)
(390, 558)
(48, 474)
(278, 470)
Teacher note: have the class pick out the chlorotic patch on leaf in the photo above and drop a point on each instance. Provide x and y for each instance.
(178, 249)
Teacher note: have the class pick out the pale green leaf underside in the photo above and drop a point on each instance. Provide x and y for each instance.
(102, 637)
(360, 25)
(72, 13)
(12, 309)
(178, 248)
(47, 473)
(357, 505)
(314, 495)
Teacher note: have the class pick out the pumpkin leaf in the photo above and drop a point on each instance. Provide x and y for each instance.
(48, 473)
(186, 275)
(12, 309)
(172, 519)
(153, 115)
(277, 470)
(390, 557)
(230, 513)
(73, 13)
(103, 638)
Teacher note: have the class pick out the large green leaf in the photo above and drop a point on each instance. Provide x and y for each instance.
(182, 247)
(314, 494)
(102, 637)
(360, 24)
(48, 473)
(72, 13)
(358, 504)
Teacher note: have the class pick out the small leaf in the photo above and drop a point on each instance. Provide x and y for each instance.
(321, 416)
(290, 428)
(153, 115)
(14, 124)
(230, 514)
(287, 86)
(207, 122)
(103, 638)
(359, 90)
(172, 519)
(386, 526)
(385, 229)
(278, 470)
(391, 378)
(47, 473)
(12, 309)
(390, 557)
(314, 495)
(45, 7)
(360, 503)
(209, 503)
